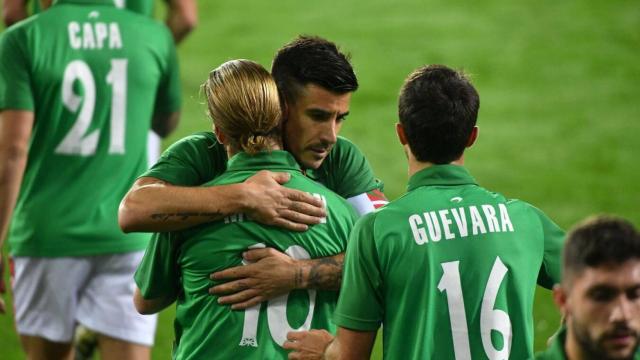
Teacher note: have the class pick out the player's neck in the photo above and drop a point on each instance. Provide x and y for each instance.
(572, 348)
(415, 165)
(273, 144)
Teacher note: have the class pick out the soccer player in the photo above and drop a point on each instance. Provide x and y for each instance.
(244, 105)
(80, 86)
(599, 296)
(316, 81)
(449, 268)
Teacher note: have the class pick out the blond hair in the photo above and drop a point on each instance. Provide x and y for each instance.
(243, 102)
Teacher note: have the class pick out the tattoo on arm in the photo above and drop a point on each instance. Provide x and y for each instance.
(326, 273)
(298, 279)
(184, 216)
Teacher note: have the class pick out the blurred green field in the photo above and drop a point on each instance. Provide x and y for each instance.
(558, 81)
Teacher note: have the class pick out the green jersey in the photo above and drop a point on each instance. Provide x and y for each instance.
(94, 76)
(450, 269)
(180, 263)
(199, 158)
(556, 349)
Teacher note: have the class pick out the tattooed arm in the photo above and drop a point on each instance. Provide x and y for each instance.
(271, 273)
(154, 205)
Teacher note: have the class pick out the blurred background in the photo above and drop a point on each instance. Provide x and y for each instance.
(559, 84)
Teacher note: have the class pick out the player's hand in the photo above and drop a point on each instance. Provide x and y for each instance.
(269, 273)
(307, 345)
(270, 203)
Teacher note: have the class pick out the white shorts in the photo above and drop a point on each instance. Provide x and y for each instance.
(51, 295)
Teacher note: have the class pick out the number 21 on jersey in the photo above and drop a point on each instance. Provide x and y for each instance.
(78, 141)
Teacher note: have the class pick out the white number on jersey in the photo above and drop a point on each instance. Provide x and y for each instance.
(276, 310)
(490, 318)
(77, 141)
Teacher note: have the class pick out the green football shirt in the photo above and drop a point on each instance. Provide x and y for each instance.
(180, 263)
(450, 269)
(93, 75)
(199, 158)
(555, 351)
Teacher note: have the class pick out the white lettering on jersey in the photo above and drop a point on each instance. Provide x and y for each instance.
(504, 218)
(419, 235)
(88, 39)
(234, 218)
(94, 35)
(101, 34)
(431, 225)
(476, 220)
(74, 38)
(115, 41)
(324, 205)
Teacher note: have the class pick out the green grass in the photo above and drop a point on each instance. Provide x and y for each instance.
(558, 82)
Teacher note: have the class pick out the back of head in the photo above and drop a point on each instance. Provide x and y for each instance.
(438, 109)
(243, 103)
(598, 241)
(312, 60)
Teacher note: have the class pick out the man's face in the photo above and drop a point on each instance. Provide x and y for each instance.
(312, 123)
(603, 310)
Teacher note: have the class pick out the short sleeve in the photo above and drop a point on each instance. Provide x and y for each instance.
(360, 306)
(554, 236)
(191, 161)
(15, 76)
(349, 172)
(168, 98)
(158, 274)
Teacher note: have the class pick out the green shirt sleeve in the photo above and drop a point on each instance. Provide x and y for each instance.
(347, 172)
(15, 77)
(191, 161)
(168, 97)
(158, 274)
(360, 306)
(550, 272)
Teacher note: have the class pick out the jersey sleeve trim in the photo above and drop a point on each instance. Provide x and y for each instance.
(355, 323)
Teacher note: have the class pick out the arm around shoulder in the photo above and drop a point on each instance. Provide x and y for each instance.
(151, 306)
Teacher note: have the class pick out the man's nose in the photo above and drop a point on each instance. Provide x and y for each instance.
(330, 132)
(624, 310)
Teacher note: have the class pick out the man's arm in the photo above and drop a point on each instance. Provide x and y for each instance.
(155, 205)
(164, 124)
(151, 306)
(13, 11)
(350, 344)
(15, 131)
(271, 273)
(182, 18)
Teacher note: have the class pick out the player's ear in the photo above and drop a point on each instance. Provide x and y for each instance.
(401, 135)
(473, 136)
(560, 298)
(219, 135)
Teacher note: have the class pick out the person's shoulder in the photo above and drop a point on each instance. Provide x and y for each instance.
(344, 145)
(203, 139)
(21, 27)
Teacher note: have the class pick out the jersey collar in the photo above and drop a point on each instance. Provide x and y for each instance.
(441, 175)
(274, 160)
(85, 2)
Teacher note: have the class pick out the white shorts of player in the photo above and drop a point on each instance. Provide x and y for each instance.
(154, 143)
(52, 295)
